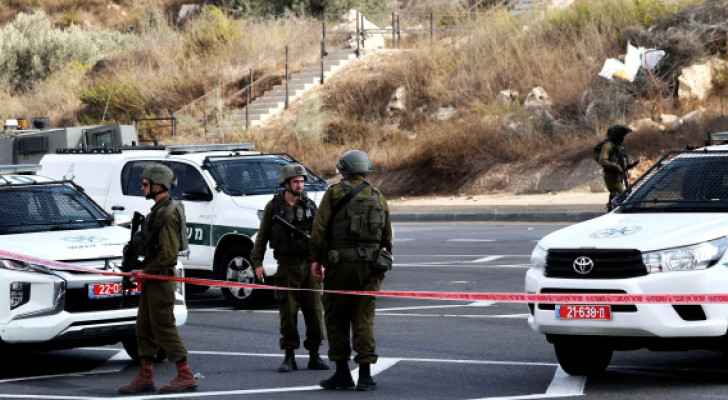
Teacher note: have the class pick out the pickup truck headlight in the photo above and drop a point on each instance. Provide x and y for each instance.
(538, 257)
(689, 258)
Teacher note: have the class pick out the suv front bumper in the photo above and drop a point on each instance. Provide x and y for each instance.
(642, 320)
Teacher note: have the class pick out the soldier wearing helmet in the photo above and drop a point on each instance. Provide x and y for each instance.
(613, 158)
(285, 224)
(162, 237)
(351, 247)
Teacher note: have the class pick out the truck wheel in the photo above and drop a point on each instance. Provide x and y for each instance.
(132, 349)
(582, 357)
(236, 268)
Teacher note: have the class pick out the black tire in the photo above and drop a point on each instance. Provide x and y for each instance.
(582, 356)
(195, 289)
(132, 348)
(237, 268)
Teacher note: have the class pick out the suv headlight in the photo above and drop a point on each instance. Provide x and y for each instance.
(538, 257)
(14, 265)
(689, 258)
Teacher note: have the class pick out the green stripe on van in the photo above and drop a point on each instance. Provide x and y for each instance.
(209, 235)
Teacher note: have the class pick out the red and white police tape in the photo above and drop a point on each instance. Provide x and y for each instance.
(498, 297)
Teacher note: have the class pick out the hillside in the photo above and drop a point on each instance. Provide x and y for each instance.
(458, 114)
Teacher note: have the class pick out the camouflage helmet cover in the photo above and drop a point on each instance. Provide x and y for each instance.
(289, 171)
(354, 162)
(159, 174)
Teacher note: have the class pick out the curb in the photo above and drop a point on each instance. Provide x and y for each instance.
(494, 216)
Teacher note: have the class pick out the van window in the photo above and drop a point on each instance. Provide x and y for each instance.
(189, 179)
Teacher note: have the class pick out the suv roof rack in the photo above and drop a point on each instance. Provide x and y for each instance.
(173, 149)
(204, 148)
(716, 138)
(19, 169)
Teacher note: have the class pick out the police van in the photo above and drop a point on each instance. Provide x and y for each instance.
(47, 307)
(224, 189)
(669, 235)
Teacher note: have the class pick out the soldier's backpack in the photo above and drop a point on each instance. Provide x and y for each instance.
(597, 151)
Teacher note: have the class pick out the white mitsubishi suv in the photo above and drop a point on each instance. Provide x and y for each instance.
(669, 235)
(44, 307)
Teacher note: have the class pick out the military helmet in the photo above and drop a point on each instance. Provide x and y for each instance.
(354, 162)
(291, 171)
(160, 174)
(618, 132)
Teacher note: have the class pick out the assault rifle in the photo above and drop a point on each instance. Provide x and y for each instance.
(277, 218)
(133, 250)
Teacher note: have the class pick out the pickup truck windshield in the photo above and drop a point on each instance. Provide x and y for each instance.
(685, 184)
(43, 208)
(255, 175)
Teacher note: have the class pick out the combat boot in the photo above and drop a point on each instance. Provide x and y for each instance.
(341, 379)
(289, 362)
(365, 383)
(184, 381)
(143, 382)
(315, 362)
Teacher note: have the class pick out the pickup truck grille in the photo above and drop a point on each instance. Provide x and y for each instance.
(77, 301)
(604, 263)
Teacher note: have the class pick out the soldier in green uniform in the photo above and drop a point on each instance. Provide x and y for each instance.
(162, 236)
(613, 158)
(286, 224)
(351, 245)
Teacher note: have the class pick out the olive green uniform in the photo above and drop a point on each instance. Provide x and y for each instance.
(162, 240)
(291, 251)
(613, 159)
(348, 247)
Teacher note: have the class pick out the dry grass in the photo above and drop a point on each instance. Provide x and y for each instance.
(167, 69)
(562, 52)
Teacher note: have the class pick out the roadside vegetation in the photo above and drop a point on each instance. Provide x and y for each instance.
(454, 126)
(419, 152)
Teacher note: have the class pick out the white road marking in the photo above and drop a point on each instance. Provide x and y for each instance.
(462, 255)
(403, 240)
(486, 259)
(470, 240)
(466, 316)
(383, 364)
(459, 265)
(562, 385)
(473, 304)
(97, 371)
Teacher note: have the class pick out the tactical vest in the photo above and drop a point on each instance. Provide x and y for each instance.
(361, 222)
(283, 241)
(151, 228)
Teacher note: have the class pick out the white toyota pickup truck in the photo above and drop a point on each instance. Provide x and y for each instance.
(668, 235)
(43, 307)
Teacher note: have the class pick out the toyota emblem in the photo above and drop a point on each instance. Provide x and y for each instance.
(583, 265)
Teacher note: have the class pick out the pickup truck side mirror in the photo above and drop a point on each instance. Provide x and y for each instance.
(197, 196)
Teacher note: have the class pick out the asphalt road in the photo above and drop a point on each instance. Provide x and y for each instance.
(428, 349)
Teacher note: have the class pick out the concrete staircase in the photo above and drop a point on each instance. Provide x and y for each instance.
(272, 102)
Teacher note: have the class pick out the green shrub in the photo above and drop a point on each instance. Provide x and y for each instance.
(119, 99)
(31, 49)
(210, 31)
